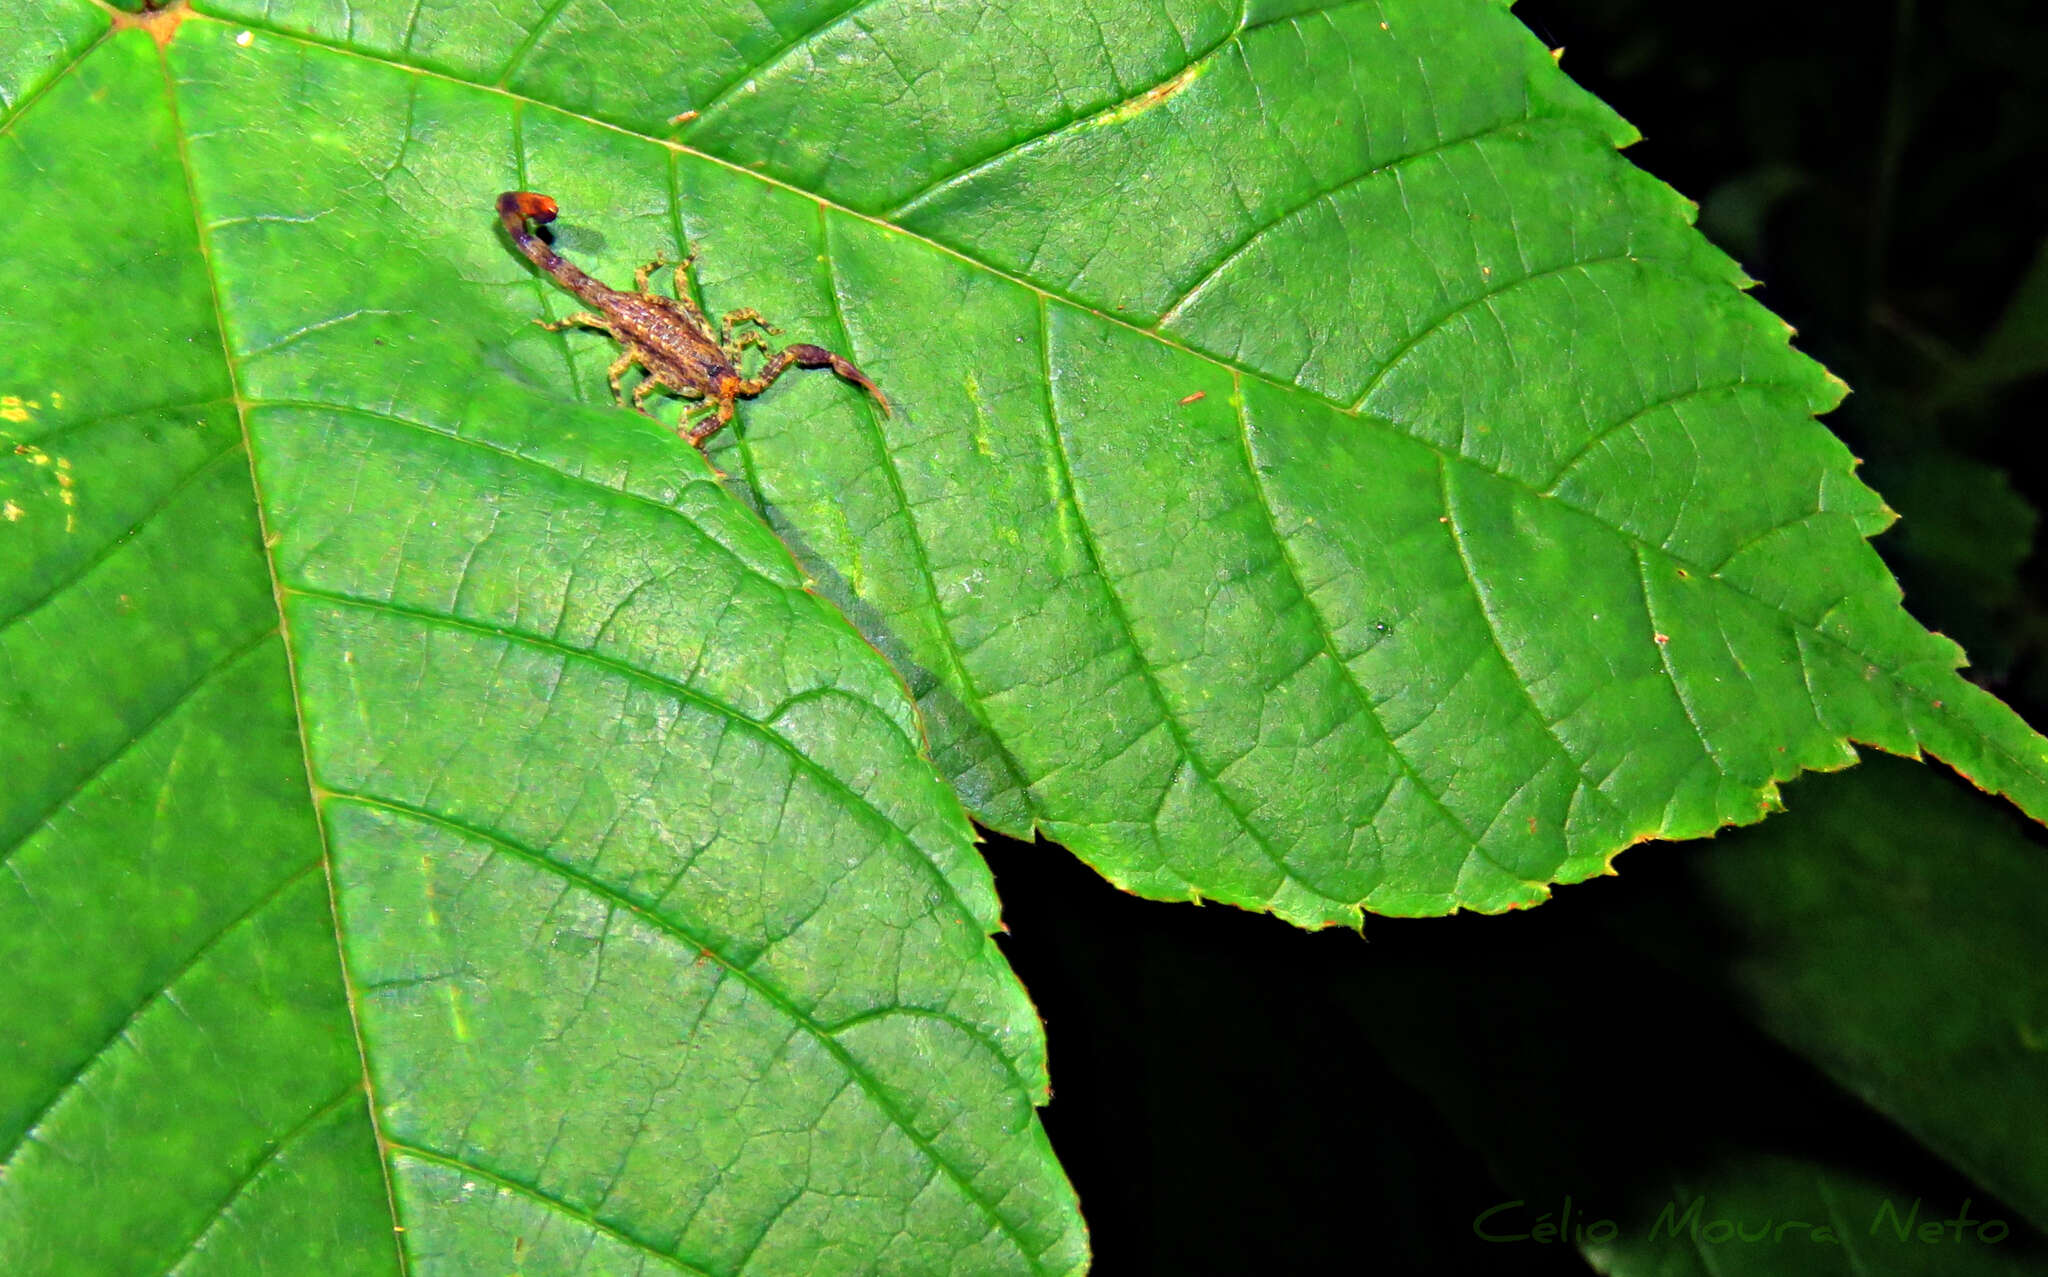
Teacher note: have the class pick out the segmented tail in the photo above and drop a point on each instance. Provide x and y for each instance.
(514, 208)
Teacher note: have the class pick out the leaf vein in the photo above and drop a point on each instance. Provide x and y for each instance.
(1370, 708)
(731, 714)
(115, 543)
(546, 1199)
(191, 961)
(1122, 614)
(141, 733)
(1520, 680)
(877, 1093)
(1259, 232)
(1485, 299)
(263, 1163)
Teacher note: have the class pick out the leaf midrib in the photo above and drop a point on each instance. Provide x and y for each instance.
(203, 246)
(877, 1094)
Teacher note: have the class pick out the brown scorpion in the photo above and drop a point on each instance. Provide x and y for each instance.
(669, 337)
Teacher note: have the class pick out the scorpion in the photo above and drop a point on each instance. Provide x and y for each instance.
(670, 338)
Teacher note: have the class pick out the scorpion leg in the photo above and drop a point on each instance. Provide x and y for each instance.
(581, 318)
(627, 358)
(722, 411)
(686, 295)
(733, 348)
(808, 356)
(640, 276)
(744, 315)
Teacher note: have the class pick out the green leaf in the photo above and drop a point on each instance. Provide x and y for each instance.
(1882, 929)
(1326, 476)
(1899, 949)
(1501, 539)
(37, 38)
(453, 816)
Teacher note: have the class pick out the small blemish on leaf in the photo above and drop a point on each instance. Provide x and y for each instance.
(1154, 96)
(1198, 395)
(160, 20)
(456, 1020)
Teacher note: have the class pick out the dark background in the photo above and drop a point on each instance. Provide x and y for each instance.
(1233, 1095)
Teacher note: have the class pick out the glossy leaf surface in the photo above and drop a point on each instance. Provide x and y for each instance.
(623, 926)
(1325, 476)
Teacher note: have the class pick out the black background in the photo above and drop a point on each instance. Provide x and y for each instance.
(1229, 1091)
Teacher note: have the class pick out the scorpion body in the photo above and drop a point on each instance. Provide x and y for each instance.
(668, 337)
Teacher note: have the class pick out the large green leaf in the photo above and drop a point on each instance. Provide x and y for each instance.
(1900, 949)
(37, 38)
(1895, 947)
(460, 823)
(1326, 476)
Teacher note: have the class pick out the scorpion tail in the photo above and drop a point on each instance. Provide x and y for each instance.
(514, 208)
(807, 356)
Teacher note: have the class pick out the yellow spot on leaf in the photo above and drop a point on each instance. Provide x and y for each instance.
(456, 1019)
(1154, 96)
(11, 512)
(13, 408)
